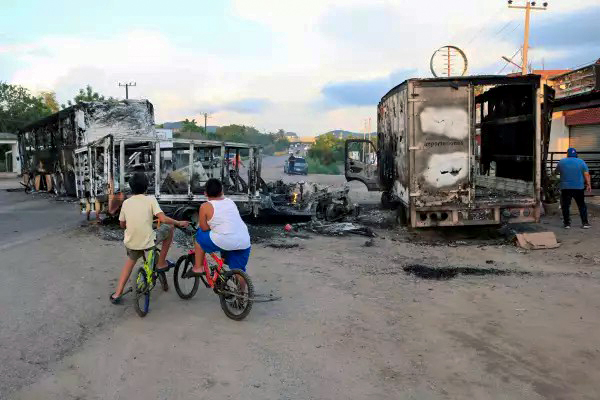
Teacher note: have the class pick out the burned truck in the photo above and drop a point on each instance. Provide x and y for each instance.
(456, 151)
(48, 146)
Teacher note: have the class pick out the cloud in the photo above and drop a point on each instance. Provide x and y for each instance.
(247, 106)
(574, 29)
(362, 93)
(308, 66)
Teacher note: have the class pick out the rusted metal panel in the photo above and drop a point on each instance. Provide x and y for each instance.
(441, 137)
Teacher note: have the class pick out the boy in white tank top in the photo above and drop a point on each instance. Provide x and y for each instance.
(220, 229)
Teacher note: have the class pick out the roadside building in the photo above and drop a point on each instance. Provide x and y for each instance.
(10, 160)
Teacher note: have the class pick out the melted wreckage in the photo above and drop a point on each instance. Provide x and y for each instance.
(90, 150)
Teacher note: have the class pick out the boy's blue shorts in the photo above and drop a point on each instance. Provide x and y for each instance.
(235, 259)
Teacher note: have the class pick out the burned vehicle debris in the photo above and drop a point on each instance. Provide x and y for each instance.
(303, 201)
(177, 169)
(456, 151)
(90, 150)
(48, 146)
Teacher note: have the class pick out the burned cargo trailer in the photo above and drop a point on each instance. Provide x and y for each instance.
(48, 146)
(456, 151)
(177, 170)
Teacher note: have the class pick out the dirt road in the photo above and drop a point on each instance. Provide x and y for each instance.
(352, 322)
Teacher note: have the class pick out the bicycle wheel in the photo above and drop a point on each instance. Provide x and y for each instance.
(186, 288)
(142, 293)
(237, 303)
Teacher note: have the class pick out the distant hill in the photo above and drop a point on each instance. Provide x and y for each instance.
(178, 125)
(342, 134)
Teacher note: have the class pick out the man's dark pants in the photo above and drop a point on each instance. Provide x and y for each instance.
(565, 203)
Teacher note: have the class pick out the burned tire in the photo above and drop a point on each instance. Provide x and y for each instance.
(386, 200)
(238, 282)
(186, 288)
(402, 217)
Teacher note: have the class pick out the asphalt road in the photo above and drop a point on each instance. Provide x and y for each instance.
(44, 271)
(29, 217)
(272, 169)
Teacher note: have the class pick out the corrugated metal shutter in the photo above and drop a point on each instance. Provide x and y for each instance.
(585, 138)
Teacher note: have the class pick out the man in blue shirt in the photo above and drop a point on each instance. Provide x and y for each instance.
(574, 179)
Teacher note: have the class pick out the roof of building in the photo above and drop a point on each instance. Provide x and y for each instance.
(7, 136)
(589, 116)
(550, 73)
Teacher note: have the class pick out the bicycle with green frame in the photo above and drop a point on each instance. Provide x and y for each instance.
(145, 280)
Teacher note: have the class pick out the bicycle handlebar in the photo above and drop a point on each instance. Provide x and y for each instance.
(190, 226)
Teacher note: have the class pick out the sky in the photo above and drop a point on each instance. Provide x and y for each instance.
(306, 66)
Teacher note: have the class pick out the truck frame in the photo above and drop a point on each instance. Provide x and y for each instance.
(177, 169)
(456, 151)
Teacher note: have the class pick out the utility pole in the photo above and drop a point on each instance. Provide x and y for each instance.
(206, 116)
(127, 85)
(529, 5)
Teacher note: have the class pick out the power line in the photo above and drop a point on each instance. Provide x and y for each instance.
(584, 64)
(503, 28)
(485, 25)
(508, 33)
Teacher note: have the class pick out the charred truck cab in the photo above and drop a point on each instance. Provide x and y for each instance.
(456, 151)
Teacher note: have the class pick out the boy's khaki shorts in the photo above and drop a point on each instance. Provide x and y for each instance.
(162, 233)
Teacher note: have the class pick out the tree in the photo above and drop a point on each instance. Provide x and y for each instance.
(50, 101)
(18, 107)
(191, 126)
(86, 95)
(328, 149)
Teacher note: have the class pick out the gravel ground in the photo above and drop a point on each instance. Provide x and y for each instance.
(402, 315)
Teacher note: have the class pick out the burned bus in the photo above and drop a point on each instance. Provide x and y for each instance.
(177, 169)
(48, 146)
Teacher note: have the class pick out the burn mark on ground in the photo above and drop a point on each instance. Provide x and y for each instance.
(446, 273)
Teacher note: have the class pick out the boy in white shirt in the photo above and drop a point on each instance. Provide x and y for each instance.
(220, 229)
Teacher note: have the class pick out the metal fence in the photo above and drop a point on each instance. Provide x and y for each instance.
(591, 158)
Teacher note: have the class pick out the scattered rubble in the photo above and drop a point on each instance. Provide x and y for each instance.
(302, 201)
(337, 228)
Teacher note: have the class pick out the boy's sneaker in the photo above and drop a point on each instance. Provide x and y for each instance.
(586, 226)
(567, 226)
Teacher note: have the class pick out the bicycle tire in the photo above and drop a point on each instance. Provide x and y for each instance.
(183, 264)
(142, 293)
(226, 300)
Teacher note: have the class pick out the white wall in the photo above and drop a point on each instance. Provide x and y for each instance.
(16, 160)
(559, 133)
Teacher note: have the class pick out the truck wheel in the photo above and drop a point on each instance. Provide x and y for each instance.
(386, 200)
(402, 215)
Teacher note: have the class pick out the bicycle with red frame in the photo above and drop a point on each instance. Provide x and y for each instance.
(234, 287)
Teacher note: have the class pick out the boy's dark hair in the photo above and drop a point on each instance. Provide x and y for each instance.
(138, 183)
(213, 187)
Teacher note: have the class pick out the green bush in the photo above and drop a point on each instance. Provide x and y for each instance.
(315, 166)
(327, 149)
